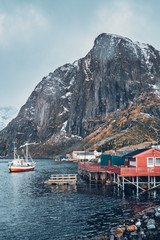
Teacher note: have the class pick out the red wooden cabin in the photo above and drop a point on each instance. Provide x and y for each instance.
(142, 163)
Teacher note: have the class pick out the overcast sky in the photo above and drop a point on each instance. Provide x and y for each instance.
(37, 36)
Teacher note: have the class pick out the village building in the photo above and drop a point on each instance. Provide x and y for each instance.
(85, 155)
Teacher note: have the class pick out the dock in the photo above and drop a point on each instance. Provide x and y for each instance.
(62, 179)
(144, 179)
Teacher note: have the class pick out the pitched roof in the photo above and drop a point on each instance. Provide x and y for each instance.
(131, 154)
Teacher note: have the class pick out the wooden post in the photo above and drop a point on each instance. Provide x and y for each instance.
(154, 194)
(148, 182)
(137, 184)
(114, 178)
(96, 177)
(90, 177)
(103, 177)
(154, 181)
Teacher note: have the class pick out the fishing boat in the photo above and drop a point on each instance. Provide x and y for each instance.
(21, 164)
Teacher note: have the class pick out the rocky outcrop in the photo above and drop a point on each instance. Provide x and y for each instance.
(76, 99)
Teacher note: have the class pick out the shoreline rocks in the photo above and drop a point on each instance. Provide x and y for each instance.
(145, 226)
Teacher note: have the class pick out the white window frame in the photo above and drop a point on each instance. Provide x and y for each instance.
(156, 162)
(148, 160)
(132, 164)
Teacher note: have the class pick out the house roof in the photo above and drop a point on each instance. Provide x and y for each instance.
(138, 151)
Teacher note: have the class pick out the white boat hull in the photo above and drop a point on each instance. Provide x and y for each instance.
(21, 168)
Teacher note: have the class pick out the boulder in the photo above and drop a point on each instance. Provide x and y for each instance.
(151, 224)
(157, 212)
(132, 228)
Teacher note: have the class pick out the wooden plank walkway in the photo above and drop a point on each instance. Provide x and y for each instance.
(62, 179)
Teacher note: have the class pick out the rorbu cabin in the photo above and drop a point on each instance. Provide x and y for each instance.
(144, 162)
(130, 160)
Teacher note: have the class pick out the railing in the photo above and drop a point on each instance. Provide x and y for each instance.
(122, 170)
(133, 171)
(96, 167)
(64, 177)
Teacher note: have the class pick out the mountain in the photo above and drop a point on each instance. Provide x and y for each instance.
(6, 115)
(114, 87)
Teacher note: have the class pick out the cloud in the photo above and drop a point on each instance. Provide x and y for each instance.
(21, 25)
(120, 18)
(2, 19)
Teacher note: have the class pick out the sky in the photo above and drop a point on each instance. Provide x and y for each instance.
(38, 36)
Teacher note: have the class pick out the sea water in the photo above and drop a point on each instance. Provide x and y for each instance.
(32, 210)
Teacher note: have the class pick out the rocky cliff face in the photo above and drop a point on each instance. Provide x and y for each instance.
(76, 99)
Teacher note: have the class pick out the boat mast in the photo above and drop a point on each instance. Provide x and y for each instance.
(27, 151)
(14, 150)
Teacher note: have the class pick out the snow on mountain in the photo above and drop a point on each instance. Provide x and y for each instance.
(6, 115)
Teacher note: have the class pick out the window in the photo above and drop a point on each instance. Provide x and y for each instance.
(157, 163)
(150, 162)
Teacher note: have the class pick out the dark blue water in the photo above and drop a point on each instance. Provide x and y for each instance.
(29, 209)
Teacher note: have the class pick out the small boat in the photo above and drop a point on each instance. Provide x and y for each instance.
(21, 164)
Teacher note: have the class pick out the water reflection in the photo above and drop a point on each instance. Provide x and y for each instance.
(63, 188)
(83, 211)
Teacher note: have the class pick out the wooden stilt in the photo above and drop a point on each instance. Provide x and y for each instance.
(137, 184)
(148, 182)
(90, 177)
(118, 181)
(123, 183)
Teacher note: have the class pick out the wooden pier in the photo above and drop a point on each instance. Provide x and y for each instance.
(62, 179)
(94, 172)
(142, 179)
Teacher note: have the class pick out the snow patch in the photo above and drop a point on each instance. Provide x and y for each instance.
(156, 89)
(65, 110)
(68, 94)
(86, 69)
(76, 136)
(146, 53)
(146, 115)
(72, 81)
(63, 129)
(75, 63)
